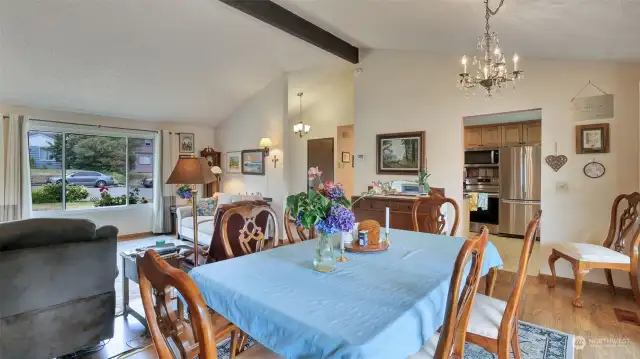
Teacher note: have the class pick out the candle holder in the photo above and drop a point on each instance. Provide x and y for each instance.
(386, 240)
(342, 258)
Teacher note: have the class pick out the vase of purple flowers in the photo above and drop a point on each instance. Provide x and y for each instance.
(326, 208)
(184, 192)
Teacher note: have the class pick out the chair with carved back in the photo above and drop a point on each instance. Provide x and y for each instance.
(303, 234)
(243, 229)
(494, 323)
(449, 342)
(428, 217)
(586, 256)
(173, 336)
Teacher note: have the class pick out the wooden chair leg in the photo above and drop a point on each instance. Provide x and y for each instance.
(635, 287)
(515, 343)
(579, 273)
(234, 344)
(490, 284)
(607, 273)
(552, 265)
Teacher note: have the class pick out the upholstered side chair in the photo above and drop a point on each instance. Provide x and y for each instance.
(608, 256)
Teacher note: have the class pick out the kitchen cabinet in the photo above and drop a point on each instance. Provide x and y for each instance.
(511, 135)
(532, 133)
(472, 137)
(491, 136)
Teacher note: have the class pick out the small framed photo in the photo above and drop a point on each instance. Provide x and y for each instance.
(592, 138)
(346, 157)
(253, 162)
(233, 162)
(186, 142)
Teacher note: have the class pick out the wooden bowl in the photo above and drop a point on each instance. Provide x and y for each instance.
(374, 231)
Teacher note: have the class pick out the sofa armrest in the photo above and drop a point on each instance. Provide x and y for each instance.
(181, 213)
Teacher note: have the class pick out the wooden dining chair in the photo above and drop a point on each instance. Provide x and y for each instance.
(494, 323)
(449, 342)
(428, 217)
(303, 234)
(172, 335)
(243, 229)
(586, 256)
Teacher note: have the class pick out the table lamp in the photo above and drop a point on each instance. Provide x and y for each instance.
(192, 171)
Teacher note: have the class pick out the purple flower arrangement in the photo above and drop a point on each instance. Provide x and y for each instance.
(324, 207)
(184, 192)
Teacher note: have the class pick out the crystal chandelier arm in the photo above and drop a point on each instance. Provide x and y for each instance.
(493, 12)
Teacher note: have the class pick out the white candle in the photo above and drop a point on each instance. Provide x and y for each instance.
(464, 63)
(387, 220)
(342, 240)
(515, 62)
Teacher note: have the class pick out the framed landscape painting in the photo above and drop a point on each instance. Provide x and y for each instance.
(253, 162)
(400, 153)
(233, 162)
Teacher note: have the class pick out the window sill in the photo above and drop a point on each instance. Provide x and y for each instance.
(58, 212)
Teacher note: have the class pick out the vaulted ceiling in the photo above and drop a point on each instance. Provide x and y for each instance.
(161, 60)
(553, 29)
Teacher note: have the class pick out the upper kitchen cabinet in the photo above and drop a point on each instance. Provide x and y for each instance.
(491, 136)
(512, 135)
(532, 132)
(472, 137)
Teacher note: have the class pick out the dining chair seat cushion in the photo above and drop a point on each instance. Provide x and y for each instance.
(258, 351)
(486, 316)
(596, 253)
(428, 350)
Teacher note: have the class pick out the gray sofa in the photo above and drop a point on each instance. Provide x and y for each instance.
(56, 286)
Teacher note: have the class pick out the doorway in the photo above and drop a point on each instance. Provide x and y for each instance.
(320, 153)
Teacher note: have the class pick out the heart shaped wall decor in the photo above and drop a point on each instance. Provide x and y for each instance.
(556, 162)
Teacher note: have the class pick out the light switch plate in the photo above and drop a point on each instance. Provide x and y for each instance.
(562, 187)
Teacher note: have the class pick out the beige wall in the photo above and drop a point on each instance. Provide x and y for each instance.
(344, 171)
(326, 105)
(264, 115)
(130, 219)
(410, 91)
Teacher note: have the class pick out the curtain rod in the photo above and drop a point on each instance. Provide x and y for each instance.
(99, 126)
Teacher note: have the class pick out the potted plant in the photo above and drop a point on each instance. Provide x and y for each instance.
(423, 181)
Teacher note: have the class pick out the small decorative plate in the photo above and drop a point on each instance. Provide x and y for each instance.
(594, 169)
(356, 247)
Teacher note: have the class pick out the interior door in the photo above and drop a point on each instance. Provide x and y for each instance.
(320, 153)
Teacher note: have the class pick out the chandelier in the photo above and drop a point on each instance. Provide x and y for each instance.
(300, 128)
(491, 73)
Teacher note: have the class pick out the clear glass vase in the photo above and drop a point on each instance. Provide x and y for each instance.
(325, 259)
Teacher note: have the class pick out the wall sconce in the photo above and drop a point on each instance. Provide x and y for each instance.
(265, 143)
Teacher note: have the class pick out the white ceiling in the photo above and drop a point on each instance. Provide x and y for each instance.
(553, 29)
(160, 60)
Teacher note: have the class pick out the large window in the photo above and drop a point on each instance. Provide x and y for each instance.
(98, 170)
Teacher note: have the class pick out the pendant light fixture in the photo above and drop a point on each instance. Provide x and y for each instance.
(300, 128)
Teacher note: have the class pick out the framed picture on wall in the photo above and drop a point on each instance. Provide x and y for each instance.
(400, 153)
(233, 162)
(346, 157)
(186, 142)
(191, 155)
(253, 162)
(592, 138)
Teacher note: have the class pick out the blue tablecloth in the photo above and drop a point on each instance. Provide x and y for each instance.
(378, 305)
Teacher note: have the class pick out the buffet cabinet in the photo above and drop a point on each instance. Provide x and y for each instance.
(400, 206)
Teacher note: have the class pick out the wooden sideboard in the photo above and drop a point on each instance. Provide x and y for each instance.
(399, 205)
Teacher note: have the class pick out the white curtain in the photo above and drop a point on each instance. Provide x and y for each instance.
(165, 194)
(158, 200)
(15, 190)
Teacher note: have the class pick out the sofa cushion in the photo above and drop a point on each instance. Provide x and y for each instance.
(207, 207)
(188, 222)
(37, 232)
(227, 198)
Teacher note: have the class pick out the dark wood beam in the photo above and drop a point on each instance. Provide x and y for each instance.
(283, 19)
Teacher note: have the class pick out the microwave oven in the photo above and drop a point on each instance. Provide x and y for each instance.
(483, 157)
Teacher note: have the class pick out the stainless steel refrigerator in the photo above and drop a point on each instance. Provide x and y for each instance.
(519, 187)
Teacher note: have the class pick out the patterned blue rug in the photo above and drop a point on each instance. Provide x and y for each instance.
(535, 343)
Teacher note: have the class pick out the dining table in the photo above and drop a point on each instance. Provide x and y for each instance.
(383, 304)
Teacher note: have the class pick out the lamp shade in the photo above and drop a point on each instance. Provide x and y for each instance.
(216, 170)
(191, 171)
(265, 142)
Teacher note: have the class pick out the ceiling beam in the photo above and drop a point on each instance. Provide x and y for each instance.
(283, 19)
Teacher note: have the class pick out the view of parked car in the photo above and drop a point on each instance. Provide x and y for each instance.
(87, 178)
(147, 182)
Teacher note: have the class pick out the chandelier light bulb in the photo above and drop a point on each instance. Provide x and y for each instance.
(464, 63)
(515, 62)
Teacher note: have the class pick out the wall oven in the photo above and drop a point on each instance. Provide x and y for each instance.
(482, 157)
